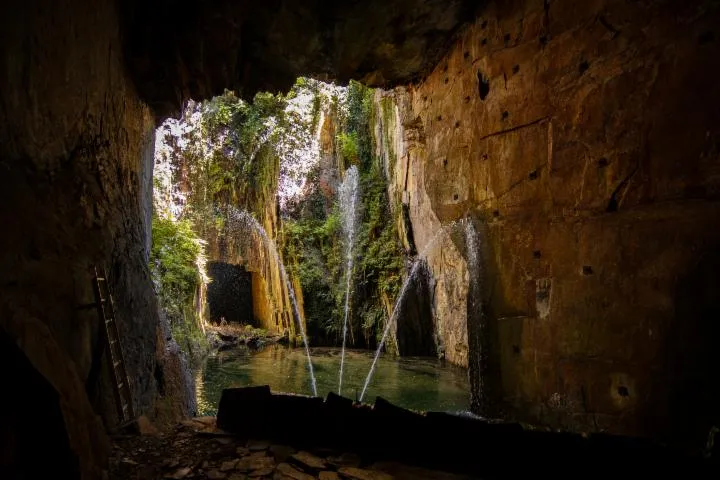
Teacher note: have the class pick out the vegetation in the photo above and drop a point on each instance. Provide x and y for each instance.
(313, 245)
(227, 153)
(174, 260)
(222, 155)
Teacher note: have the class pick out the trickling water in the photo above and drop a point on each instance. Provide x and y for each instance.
(348, 196)
(250, 221)
(474, 301)
(393, 316)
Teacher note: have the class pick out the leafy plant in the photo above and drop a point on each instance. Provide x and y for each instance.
(314, 246)
(174, 266)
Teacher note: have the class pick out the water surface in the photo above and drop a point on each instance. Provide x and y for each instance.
(417, 383)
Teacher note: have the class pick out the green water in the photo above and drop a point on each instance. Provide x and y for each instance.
(417, 383)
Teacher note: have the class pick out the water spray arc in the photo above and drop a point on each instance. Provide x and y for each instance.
(348, 195)
(414, 271)
(245, 219)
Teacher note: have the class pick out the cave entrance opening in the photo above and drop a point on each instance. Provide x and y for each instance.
(229, 293)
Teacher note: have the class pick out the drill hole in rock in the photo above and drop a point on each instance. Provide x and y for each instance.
(587, 270)
(483, 85)
(623, 391)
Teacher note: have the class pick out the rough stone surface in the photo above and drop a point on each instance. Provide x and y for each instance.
(254, 462)
(281, 452)
(74, 141)
(328, 476)
(287, 471)
(229, 465)
(308, 460)
(584, 137)
(583, 141)
(76, 150)
(253, 46)
(363, 474)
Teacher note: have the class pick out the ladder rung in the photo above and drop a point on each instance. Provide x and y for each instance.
(109, 321)
(121, 385)
(115, 364)
(100, 279)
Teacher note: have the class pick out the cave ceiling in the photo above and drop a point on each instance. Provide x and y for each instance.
(180, 50)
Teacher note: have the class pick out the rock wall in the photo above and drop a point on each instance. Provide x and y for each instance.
(74, 147)
(239, 245)
(584, 138)
(200, 49)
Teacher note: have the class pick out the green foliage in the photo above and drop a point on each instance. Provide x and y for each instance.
(314, 247)
(359, 114)
(349, 147)
(382, 257)
(173, 263)
(380, 268)
(314, 256)
(242, 167)
(173, 257)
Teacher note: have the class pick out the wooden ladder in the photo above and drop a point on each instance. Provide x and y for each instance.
(119, 376)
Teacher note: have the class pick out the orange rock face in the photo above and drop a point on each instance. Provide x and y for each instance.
(585, 140)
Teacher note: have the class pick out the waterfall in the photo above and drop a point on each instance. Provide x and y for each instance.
(348, 195)
(246, 219)
(475, 317)
(414, 271)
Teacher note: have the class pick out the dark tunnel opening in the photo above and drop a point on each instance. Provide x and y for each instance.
(230, 293)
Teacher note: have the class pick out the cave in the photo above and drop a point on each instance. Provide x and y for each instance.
(610, 331)
(229, 293)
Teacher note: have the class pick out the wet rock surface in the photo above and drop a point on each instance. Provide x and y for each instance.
(197, 449)
(580, 141)
(229, 336)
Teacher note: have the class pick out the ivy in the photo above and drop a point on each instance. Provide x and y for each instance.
(314, 247)
(174, 266)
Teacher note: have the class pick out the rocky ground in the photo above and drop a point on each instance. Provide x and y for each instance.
(227, 336)
(196, 449)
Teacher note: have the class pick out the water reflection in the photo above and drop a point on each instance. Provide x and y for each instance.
(411, 382)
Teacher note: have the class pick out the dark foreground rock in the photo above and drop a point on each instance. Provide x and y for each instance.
(196, 449)
(441, 441)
